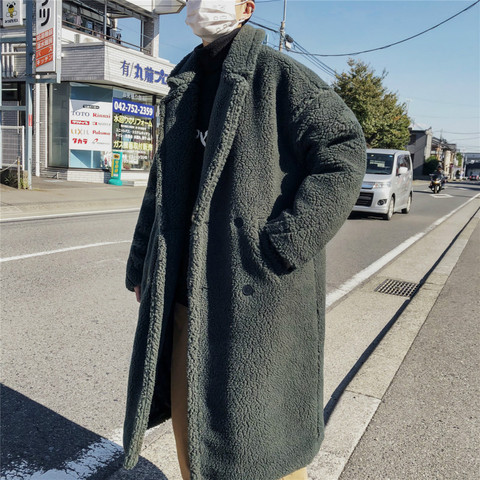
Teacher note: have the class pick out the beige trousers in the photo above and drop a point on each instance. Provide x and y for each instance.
(179, 394)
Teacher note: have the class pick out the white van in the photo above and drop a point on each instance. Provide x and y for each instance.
(387, 185)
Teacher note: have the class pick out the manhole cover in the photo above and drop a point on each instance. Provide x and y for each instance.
(397, 287)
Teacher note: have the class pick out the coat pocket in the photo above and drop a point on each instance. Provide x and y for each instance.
(268, 255)
(252, 259)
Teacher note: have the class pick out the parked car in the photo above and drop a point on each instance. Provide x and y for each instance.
(387, 186)
(474, 176)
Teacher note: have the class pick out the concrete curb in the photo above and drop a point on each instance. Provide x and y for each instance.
(67, 215)
(363, 395)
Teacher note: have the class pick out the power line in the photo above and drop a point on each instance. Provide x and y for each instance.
(465, 139)
(446, 103)
(448, 116)
(265, 20)
(265, 27)
(315, 61)
(395, 43)
(463, 133)
(318, 63)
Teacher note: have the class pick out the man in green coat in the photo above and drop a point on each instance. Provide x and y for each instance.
(259, 164)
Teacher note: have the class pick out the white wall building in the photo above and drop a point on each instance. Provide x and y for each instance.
(107, 98)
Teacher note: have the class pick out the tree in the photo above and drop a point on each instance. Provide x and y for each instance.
(384, 120)
(459, 159)
(430, 165)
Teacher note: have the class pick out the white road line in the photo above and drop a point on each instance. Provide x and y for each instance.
(96, 456)
(71, 214)
(373, 268)
(61, 250)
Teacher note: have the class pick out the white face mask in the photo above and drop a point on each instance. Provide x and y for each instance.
(211, 19)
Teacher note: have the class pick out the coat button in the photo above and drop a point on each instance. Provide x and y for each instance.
(247, 290)
(238, 222)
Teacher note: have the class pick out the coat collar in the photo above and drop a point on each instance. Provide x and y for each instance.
(240, 60)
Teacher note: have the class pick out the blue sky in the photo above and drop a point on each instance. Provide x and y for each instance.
(436, 74)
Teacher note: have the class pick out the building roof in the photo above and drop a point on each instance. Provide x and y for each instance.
(418, 127)
(442, 143)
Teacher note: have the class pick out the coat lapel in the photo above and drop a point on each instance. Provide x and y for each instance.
(226, 112)
(181, 106)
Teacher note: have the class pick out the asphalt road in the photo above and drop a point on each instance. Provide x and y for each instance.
(68, 322)
(364, 239)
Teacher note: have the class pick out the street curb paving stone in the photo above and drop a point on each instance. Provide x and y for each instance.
(363, 395)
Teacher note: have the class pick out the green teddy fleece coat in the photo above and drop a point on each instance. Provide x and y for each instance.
(282, 169)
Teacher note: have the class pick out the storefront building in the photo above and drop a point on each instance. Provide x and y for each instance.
(107, 100)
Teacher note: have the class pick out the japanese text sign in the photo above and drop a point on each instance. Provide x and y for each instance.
(48, 41)
(90, 125)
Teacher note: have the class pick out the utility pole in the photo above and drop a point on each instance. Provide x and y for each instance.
(282, 27)
(29, 80)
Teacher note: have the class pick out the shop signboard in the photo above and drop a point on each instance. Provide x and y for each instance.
(48, 39)
(90, 125)
(143, 73)
(133, 132)
(12, 13)
(116, 175)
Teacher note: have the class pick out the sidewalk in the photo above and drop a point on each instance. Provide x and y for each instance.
(57, 197)
(412, 409)
(428, 424)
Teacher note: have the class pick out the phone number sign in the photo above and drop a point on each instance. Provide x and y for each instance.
(133, 108)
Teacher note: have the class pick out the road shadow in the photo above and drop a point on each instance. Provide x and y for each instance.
(366, 216)
(37, 441)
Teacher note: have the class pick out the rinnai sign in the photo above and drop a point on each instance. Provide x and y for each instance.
(49, 38)
(12, 13)
(90, 125)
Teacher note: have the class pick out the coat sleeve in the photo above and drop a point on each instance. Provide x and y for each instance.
(330, 143)
(143, 229)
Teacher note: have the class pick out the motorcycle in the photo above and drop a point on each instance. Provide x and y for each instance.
(437, 182)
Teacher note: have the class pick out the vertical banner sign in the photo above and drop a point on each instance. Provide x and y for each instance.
(133, 132)
(115, 179)
(48, 41)
(12, 13)
(90, 125)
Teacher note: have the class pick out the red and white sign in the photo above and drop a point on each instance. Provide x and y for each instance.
(48, 40)
(90, 125)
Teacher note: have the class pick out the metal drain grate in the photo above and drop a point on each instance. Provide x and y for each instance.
(397, 287)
